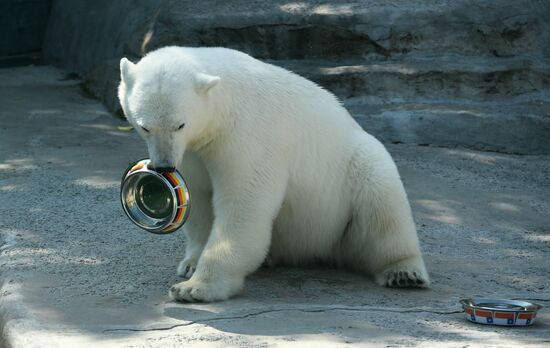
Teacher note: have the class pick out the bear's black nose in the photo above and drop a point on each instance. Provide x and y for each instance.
(165, 169)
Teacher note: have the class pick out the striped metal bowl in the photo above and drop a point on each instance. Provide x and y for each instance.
(500, 312)
(156, 201)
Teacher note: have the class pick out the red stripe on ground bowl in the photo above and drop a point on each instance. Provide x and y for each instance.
(485, 314)
(525, 315)
(504, 315)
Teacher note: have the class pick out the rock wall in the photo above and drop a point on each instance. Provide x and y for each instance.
(463, 64)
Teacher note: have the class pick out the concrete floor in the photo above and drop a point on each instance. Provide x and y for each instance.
(75, 271)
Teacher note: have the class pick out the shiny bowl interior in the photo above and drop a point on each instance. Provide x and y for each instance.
(148, 200)
(157, 202)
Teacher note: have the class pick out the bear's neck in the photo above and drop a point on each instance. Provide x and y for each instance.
(221, 124)
(211, 140)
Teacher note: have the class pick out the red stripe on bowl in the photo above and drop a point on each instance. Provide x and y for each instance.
(137, 167)
(485, 314)
(170, 178)
(181, 196)
(179, 215)
(525, 315)
(504, 315)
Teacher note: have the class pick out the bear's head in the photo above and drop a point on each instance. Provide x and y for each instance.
(168, 104)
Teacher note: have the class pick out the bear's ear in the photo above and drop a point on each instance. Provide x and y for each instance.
(203, 82)
(127, 71)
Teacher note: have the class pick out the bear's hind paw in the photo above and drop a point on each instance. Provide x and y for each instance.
(405, 279)
(401, 275)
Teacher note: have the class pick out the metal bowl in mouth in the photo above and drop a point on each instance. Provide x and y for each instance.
(158, 202)
(500, 312)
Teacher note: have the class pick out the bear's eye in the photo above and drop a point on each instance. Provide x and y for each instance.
(181, 126)
(145, 129)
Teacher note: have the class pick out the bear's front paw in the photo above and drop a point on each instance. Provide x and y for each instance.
(203, 291)
(409, 273)
(187, 267)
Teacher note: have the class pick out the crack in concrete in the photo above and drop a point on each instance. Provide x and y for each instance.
(313, 310)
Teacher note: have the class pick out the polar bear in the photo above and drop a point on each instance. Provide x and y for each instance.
(278, 171)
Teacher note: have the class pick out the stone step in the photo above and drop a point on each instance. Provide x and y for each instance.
(281, 29)
(518, 125)
(449, 76)
(83, 35)
(463, 55)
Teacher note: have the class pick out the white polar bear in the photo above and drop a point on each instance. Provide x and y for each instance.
(277, 169)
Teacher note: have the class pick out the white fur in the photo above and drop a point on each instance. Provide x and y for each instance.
(277, 168)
